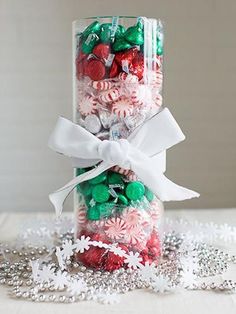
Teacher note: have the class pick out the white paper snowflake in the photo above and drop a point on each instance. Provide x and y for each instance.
(60, 259)
(35, 268)
(188, 279)
(133, 260)
(46, 273)
(60, 279)
(82, 244)
(234, 234)
(148, 271)
(211, 231)
(161, 284)
(225, 233)
(67, 249)
(75, 287)
(109, 298)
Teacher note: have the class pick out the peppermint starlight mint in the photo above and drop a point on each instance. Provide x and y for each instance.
(117, 141)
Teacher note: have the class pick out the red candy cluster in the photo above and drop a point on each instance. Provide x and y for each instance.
(101, 258)
(97, 65)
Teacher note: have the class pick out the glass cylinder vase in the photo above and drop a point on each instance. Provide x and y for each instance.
(117, 85)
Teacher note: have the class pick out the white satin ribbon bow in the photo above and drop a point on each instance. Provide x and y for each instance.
(143, 152)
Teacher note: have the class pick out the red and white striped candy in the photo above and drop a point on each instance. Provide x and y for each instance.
(157, 100)
(122, 76)
(157, 79)
(88, 105)
(141, 95)
(135, 235)
(122, 107)
(81, 216)
(102, 85)
(131, 176)
(131, 79)
(120, 170)
(109, 95)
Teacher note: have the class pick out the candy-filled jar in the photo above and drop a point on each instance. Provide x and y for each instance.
(117, 83)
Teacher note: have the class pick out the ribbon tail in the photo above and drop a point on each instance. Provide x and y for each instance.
(167, 190)
(58, 197)
(150, 173)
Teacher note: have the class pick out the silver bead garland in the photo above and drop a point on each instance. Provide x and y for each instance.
(16, 273)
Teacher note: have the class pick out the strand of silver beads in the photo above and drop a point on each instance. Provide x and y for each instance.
(16, 273)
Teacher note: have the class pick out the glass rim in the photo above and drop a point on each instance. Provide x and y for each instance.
(109, 17)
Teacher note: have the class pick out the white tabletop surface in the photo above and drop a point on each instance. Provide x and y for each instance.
(146, 302)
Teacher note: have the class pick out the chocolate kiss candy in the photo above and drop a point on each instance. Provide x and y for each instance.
(126, 55)
(134, 35)
(102, 51)
(98, 179)
(135, 190)
(92, 123)
(89, 43)
(100, 193)
(159, 48)
(123, 199)
(149, 195)
(96, 70)
(85, 188)
(92, 28)
(81, 67)
(105, 209)
(137, 66)
(120, 31)
(121, 44)
(105, 35)
(93, 213)
(114, 69)
(115, 178)
(106, 118)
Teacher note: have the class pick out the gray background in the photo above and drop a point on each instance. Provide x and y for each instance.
(36, 87)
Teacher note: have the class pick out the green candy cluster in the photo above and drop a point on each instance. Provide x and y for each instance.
(109, 193)
(116, 35)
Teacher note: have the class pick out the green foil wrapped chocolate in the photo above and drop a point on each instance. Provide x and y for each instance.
(93, 213)
(122, 199)
(149, 194)
(105, 209)
(85, 188)
(100, 193)
(121, 44)
(89, 43)
(115, 178)
(108, 35)
(135, 190)
(105, 34)
(134, 34)
(92, 28)
(99, 179)
(159, 47)
(120, 31)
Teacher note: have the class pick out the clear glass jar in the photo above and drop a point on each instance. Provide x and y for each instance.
(117, 84)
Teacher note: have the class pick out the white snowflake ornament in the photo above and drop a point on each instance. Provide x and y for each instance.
(148, 271)
(161, 284)
(82, 244)
(67, 249)
(60, 280)
(108, 298)
(133, 260)
(75, 287)
(60, 259)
